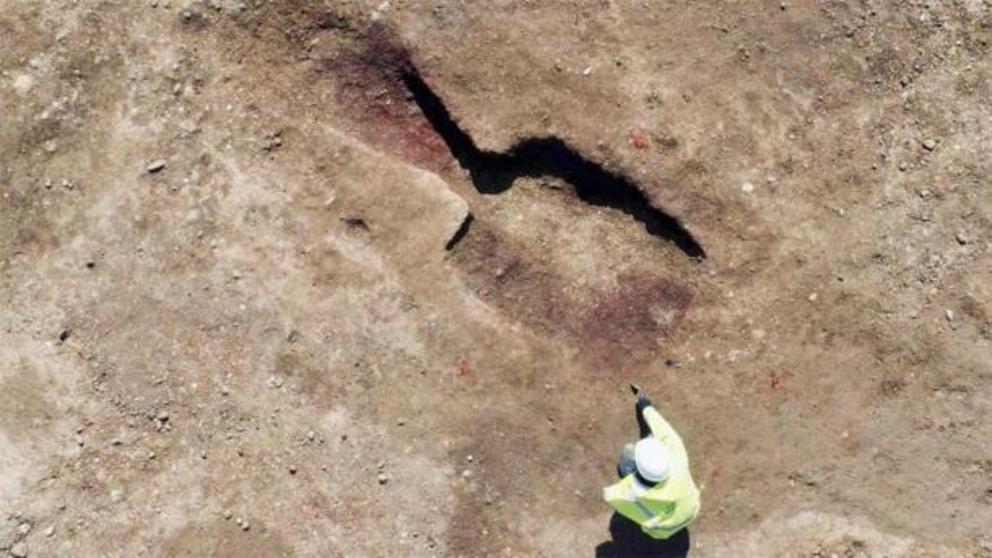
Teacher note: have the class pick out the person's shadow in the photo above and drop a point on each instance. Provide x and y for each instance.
(629, 541)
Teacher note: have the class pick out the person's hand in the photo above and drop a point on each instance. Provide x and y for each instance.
(642, 403)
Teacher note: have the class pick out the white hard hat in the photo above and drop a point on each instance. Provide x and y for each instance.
(651, 457)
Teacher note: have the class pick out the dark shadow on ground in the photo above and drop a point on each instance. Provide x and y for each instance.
(494, 173)
(629, 542)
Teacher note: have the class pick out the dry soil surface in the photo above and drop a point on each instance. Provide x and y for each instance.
(290, 278)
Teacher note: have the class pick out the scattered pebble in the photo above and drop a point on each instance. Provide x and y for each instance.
(813, 297)
(292, 469)
(311, 435)
(245, 525)
(19, 550)
(50, 531)
(155, 166)
(949, 314)
(747, 187)
(930, 144)
(961, 237)
(383, 478)
(272, 142)
(587, 71)
(228, 514)
(401, 422)
(64, 335)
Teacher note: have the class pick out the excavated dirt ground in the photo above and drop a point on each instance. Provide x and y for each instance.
(245, 311)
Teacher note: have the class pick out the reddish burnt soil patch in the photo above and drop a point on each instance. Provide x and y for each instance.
(624, 326)
(628, 324)
(371, 88)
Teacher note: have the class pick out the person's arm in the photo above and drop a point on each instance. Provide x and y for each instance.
(663, 431)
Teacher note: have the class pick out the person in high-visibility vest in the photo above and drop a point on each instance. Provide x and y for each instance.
(656, 490)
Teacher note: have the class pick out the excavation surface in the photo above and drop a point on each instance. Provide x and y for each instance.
(295, 278)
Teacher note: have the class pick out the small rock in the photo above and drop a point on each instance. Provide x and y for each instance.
(903, 167)
(587, 71)
(50, 531)
(239, 521)
(747, 187)
(162, 416)
(272, 142)
(930, 144)
(949, 314)
(64, 335)
(155, 166)
(292, 469)
(228, 514)
(311, 435)
(245, 525)
(401, 422)
(961, 237)
(383, 478)
(813, 297)
(19, 550)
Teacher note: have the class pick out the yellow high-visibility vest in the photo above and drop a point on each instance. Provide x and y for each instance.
(667, 507)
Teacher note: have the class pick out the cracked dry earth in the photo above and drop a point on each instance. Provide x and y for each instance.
(303, 278)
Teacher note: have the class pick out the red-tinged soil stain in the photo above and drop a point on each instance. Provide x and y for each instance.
(370, 87)
(619, 329)
(778, 379)
(639, 139)
(629, 324)
(465, 371)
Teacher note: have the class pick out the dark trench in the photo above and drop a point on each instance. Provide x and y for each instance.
(494, 173)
